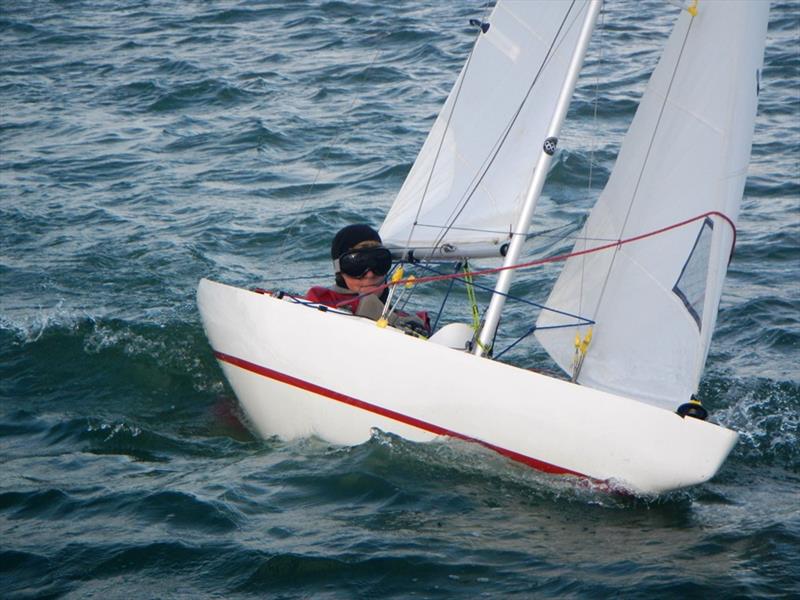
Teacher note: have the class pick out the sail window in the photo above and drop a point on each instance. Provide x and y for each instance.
(691, 284)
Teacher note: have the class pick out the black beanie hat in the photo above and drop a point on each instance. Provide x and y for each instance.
(350, 236)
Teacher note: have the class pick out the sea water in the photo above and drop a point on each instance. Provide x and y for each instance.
(146, 145)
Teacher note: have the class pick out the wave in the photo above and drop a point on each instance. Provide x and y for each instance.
(203, 92)
(764, 412)
(162, 367)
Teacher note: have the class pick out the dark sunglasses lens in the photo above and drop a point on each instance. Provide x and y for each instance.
(356, 264)
(350, 265)
(381, 261)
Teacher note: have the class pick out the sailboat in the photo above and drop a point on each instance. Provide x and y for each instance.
(630, 318)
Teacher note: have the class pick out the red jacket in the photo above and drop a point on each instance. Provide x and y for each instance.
(332, 297)
(336, 295)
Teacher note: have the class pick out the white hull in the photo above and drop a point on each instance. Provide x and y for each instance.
(299, 371)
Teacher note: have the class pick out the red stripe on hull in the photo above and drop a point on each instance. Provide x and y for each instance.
(539, 465)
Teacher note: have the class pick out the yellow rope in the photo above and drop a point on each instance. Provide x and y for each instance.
(476, 314)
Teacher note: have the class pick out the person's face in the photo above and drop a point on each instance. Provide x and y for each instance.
(366, 284)
(369, 282)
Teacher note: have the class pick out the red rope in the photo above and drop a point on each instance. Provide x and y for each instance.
(542, 261)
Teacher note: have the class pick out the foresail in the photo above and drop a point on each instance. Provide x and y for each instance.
(464, 191)
(686, 154)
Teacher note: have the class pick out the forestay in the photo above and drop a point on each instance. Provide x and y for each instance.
(464, 192)
(686, 153)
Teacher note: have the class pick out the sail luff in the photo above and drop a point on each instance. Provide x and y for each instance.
(549, 141)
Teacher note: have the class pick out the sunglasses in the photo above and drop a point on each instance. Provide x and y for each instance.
(356, 263)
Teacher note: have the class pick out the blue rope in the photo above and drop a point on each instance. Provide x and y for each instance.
(522, 337)
(582, 320)
(530, 331)
(446, 296)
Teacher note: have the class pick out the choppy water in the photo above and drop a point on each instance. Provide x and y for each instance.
(145, 145)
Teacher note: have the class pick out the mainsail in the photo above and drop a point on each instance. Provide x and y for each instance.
(686, 153)
(463, 194)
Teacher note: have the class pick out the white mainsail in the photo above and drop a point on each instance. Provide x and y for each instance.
(467, 185)
(686, 153)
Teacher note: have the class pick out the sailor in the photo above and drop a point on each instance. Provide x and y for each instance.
(360, 265)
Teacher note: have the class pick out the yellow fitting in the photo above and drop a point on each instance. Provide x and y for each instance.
(382, 323)
(583, 345)
(411, 281)
(398, 274)
(577, 340)
(692, 9)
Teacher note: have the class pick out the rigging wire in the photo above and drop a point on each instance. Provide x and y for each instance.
(582, 342)
(644, 166)
(461, 276)
(498, 231)
(594, 144)
(446, 127)
(466, 277)
(438, 152)
(456, 269)
(550, 259)
(483, 170)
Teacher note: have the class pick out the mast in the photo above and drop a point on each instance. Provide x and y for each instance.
(492, 318)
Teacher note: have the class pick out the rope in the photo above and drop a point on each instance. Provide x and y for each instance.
(456, 269)
(476, 313)
(473, 301)
(594, 144)
(560, 257)
(646, 160)
(584, 321)
(518, 340)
